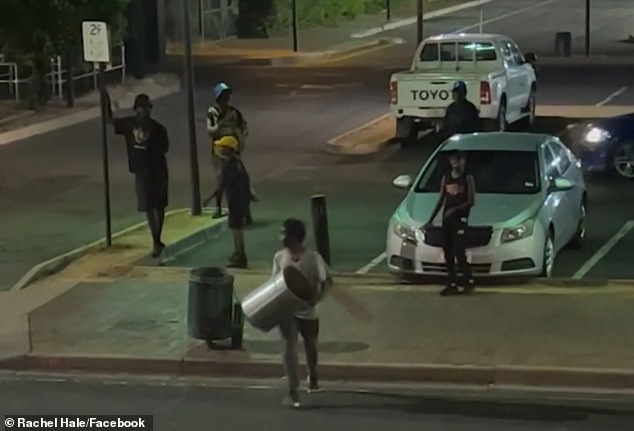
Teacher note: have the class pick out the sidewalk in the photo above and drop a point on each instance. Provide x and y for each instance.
(318, 43)
(17, 123)
(116, 317)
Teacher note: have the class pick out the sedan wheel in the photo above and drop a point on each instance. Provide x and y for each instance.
(549, 258)
(623, 160)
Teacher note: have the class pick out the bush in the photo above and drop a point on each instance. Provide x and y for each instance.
(263, 18)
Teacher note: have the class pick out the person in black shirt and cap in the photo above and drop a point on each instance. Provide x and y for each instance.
(457, 196)
(147, 143)
(462, 116)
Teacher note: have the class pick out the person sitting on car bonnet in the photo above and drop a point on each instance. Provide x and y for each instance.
(462, 116)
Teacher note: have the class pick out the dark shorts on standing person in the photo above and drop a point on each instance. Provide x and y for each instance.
(151, 193)
(238, 212)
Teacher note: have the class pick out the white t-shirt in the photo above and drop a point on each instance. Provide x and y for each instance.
(314, 268)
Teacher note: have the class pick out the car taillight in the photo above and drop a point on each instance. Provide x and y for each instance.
(485, 93)
(393, 92)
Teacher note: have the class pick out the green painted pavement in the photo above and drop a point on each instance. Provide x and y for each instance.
(358, 211)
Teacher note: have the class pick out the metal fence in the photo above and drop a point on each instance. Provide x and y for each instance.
(13, 78)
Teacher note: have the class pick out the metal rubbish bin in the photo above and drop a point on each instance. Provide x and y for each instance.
(212, 313)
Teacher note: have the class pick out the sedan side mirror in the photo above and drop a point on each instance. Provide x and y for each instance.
(560, 185)
(530, 58)
(402, 182)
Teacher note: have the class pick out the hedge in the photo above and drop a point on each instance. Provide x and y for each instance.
(264, 18)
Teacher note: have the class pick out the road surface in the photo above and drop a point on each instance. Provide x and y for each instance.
(51, 190)
(195, 405)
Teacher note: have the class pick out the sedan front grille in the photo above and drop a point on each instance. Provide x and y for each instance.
(478, 268)
(476, 236)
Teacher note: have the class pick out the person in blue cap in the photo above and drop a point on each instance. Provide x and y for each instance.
(225, 120)
(462, 116)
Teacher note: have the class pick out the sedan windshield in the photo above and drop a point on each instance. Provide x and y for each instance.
(496, 172)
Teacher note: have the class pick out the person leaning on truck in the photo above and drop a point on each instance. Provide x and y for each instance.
(462, 116)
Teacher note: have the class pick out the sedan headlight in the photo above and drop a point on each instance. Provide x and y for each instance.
(521, 231)
(596, 136)
(405, 232)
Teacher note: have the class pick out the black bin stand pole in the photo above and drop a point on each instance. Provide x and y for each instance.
(106, 158)
(294, 25)
(320, 226)
(588, 28)
(419, 24)
(191, 114)
(388, 10)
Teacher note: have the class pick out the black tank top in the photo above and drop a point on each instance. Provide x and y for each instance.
(456, 194)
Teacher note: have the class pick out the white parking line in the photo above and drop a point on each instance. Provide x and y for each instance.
(373, 263)
(612, 96)
(504, 16)
(603, 251)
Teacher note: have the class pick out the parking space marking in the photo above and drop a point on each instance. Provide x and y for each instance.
(604, 250)
(373, 263)
(612, 96)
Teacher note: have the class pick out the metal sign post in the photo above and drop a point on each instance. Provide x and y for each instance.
(97, 49)
(191, 113)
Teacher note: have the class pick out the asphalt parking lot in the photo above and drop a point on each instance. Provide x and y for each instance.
(361, 199)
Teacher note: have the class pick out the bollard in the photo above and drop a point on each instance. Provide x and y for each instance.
(563, 42)
(320, 226)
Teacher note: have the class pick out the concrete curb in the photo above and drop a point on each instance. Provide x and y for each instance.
(409, 21)
(58, 263)
(75, 118)
(329, 55)
(599, 60)
(502, 375)
(190, 242)
(334, 146)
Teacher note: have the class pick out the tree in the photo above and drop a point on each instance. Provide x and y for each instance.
(33, 31)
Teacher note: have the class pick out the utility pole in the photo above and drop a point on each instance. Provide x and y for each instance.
(191, 114)
(294, 25)
(587, 28)
(419, 26)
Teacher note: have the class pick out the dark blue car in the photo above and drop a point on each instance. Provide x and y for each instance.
(607, 146)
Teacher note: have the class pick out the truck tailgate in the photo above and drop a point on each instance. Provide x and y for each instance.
(433, 91)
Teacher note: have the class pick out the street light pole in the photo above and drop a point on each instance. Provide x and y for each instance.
(191, 114)
(587, 28)
(419, 26)
(294, 25)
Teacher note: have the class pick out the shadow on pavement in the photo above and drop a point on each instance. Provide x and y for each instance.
(510, 410)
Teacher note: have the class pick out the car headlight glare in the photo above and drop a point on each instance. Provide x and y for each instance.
(405, 232)
(596, 135)
(521, 231)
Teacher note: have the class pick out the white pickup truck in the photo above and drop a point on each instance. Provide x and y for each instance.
(501, 82)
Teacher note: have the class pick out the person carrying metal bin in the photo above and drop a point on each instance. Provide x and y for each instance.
(304, 322)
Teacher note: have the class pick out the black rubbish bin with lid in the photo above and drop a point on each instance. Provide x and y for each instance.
(212, 313)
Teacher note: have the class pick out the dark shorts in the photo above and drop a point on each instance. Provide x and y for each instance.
(151, 193)
(238, 211)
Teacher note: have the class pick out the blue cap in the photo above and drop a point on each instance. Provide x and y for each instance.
(220, 88)
(459, 86)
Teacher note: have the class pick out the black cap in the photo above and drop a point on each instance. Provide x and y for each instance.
(142, 101)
